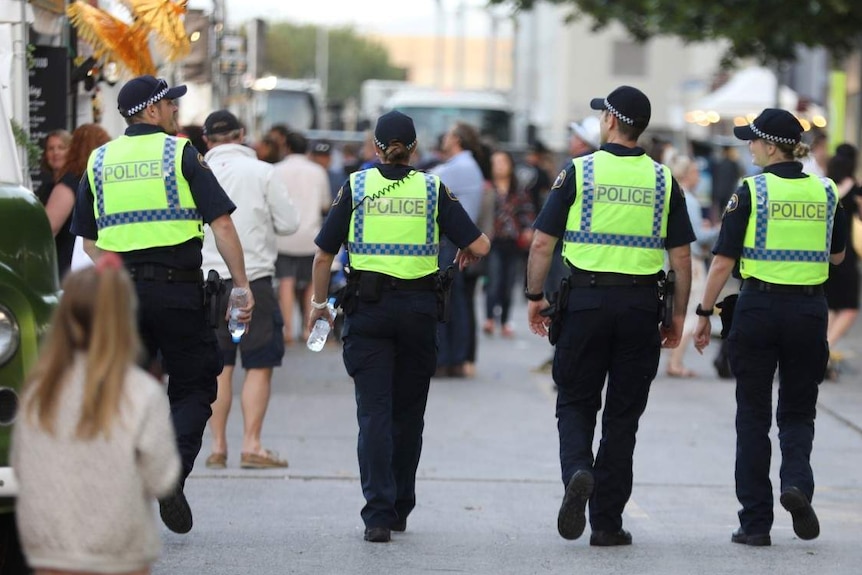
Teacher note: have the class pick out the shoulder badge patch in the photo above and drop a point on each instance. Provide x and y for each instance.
(450, 194)
(560, 179)
(338, 197)
(732, 204)
(203, 162)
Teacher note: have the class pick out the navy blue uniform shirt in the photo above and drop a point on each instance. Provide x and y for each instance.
(211, 200)
(734, 221)
(552, 218)
(451, 217)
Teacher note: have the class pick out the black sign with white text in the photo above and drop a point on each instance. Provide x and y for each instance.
(49, 93)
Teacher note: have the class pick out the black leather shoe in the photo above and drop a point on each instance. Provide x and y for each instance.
(571, 519)
(377, 534)
(805, 523)
(400, 525)
(175, 512)
(755, 539)
(610, 538)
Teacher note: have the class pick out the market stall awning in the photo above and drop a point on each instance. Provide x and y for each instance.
(749, 91)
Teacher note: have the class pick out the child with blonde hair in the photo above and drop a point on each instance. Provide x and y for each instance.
(93, 445)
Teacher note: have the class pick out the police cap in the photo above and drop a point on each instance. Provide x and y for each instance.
(143, 91)
(773, 125)
(629, 105)
(395, 126)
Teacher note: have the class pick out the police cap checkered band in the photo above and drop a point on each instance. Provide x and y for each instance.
(628, 104)
(773, 125)
(395, 126)
(143, 91)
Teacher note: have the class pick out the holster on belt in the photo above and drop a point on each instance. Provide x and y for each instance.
(727, 306)
(559, 303)
(666, 288)
(214, 289)
(445, 279)
(347, 296)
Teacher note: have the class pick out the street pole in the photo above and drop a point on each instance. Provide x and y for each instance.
(492, 51)
(461, 50)
(219, 18)
(439, 57)
(322, 65)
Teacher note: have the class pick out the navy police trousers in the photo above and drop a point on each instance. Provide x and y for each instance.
(607, 333)
(390, 352)
(787, 332)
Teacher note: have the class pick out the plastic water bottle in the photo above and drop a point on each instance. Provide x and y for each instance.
(238, 299)
(320, 331)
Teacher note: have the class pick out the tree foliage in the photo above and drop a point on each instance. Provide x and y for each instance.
(768, 30)
(291, 52)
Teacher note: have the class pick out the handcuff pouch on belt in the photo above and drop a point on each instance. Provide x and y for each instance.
(559, 303)
(445, 278)
(727, 306)
(666, 287)
(214, 290)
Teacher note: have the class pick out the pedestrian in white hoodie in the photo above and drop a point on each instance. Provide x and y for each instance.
(264, 211)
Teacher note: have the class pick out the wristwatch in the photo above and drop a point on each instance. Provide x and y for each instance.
(704, 312)
(534, 296)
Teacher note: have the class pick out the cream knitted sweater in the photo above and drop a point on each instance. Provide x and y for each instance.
(88, 505)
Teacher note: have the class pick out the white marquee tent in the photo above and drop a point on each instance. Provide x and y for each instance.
(749, 91)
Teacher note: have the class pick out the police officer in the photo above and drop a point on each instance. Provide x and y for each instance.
(147, 196)
(617, 212)
(784, 227)
(391, 217)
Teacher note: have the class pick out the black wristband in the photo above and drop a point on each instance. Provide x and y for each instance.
(534, 296)
(704, 312)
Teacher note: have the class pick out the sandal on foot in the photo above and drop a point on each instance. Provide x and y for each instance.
(217, 461)
(265, 460)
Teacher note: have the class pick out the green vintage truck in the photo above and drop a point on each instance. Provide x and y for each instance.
(28, 294)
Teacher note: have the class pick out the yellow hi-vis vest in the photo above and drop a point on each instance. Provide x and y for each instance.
(789, 232)
(393, 228)
(618, 221)
(141, 198)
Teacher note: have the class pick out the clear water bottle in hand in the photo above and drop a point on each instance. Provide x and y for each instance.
(321, 329)
(238, 299)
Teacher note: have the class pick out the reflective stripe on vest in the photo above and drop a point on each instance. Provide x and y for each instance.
(173, 212)
(761, 253)
(358, 245)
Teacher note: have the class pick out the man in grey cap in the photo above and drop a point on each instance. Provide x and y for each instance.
(147, 196)
(617, 213)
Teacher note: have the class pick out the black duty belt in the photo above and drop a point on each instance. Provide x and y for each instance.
(611, 279)
(157, 273)
(754, 284)
(426, 283)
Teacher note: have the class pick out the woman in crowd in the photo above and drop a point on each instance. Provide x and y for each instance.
(687, 174)
(85, 139)
(842, 287)
(53, 159)
(514, 215)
